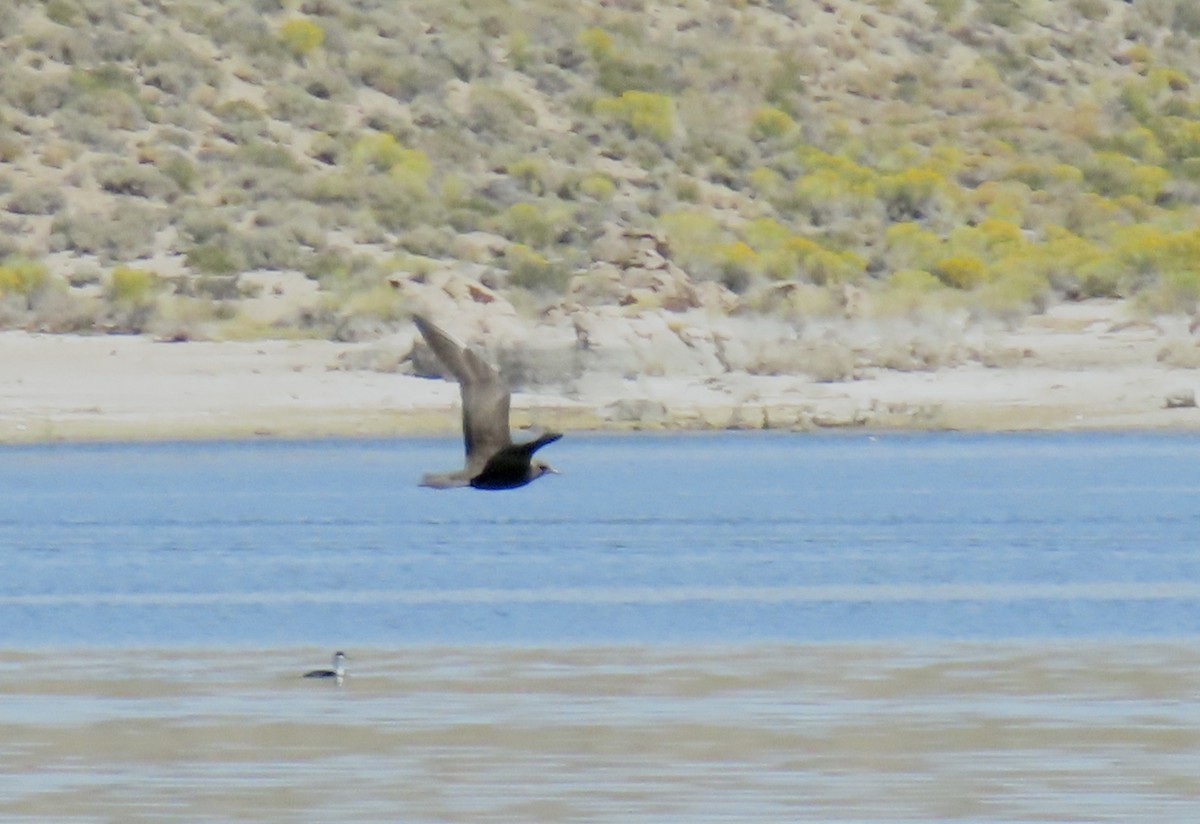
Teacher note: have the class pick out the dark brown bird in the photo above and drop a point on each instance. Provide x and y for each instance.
(493, 460)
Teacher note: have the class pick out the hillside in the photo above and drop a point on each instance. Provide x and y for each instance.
(223, 169)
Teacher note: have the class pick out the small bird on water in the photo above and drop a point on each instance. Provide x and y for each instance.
(493, 460)
(338, 671)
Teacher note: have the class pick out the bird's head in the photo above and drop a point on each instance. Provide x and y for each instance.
(539, 468)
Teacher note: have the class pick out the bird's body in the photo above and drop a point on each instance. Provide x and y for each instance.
(493, 460)
(338, 671)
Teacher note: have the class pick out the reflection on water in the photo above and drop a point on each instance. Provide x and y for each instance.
(757, 732)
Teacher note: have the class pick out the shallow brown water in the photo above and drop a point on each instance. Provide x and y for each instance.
(976, 731)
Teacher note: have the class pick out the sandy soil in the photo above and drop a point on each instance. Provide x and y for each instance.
(1078, 366)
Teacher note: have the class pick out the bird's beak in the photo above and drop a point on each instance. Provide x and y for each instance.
(552, 471)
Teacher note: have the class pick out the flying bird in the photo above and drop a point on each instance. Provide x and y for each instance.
(493, 460)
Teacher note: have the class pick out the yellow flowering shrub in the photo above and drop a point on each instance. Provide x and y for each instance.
(769, 121)
(596, 42)
(647, 114)
(132, 286)
(301, 36)
(961, 271)
(22, 277)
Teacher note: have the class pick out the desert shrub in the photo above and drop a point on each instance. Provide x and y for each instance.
(268, 154)
(1174, 292)
(534, 175)
(914, 280)
(597, 186)
(112, 108)
(378, 300)
(172, 67)
(1006, 14)
(266, 247)
(127, 285)
(301, 36)
(1138, 142)
(120, 233)
(832, 185)
(1142, 255)
(770, 122)
(1091, 9)
(455, 190)
(36, 199)
(180, 169)
(106, 77)
(597, 43)
(1113, 174)
(768, 183)
(58, 153)
(946, 10)
(737, 264)
(1187, 18)
(11, 148)
(297, 105)
(697, 242)
(990, 239)
(213, 258)
(64, 12)
(23, 278)
(782, 255)
(647, 114)
(1179, 137)
(910, 246)
(520, 55)
(961, 271)
(397, 203)
(122, 177)
(412, 172)
(379, 150)
(238, 110)
(36, 93)
(623, 73)
(333, 187)
(530, 224)
(911, 194)
(496, 112)
(910, 292)
(396, 75)
(528, 269)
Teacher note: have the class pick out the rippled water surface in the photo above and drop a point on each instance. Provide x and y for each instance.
(716, 627)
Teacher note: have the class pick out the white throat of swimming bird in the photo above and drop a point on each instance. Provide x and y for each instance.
(339, 665)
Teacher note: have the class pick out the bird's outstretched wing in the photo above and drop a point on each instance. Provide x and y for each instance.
(485, 398)
(538, 442)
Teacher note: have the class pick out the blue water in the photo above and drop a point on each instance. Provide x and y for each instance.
(709, 538)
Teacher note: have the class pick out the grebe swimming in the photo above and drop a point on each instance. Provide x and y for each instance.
(338, 671)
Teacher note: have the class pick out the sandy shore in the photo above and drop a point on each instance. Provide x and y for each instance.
(1077, 366)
